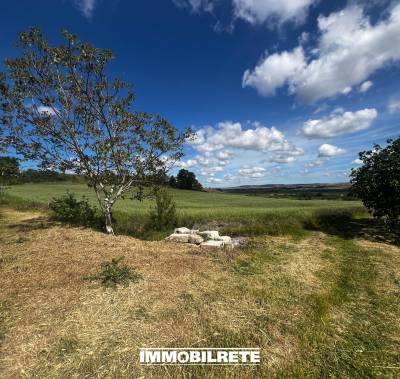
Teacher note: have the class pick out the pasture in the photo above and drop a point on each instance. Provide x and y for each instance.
(200, 208)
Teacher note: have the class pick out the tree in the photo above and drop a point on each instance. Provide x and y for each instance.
(187, 180)
(61, 109)
(172, 181)
(377, 182)
(9, 169)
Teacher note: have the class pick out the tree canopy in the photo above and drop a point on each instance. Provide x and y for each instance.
(377, 182)
(9, 169)
(61, 109)
(185, 180)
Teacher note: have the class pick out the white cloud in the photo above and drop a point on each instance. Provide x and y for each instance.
(211, 170)
(187, 164)
(223, 155)
(42, 109)
(365, 86)
(316, 163)
(86, 7)
(213, 180)
(258, 138)
(394, 106)
(327, 150)
(252, 172)
(259, 11)
(275, 71)
(349, 50)
(340, 122)
(228, 144)
(357, 161)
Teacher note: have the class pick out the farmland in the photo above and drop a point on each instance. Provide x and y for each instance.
(191, 204)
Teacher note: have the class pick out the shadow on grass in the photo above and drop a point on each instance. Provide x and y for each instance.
(348, 226)
(36, 223)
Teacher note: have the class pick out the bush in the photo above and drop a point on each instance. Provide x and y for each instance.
(67, 208)
(112, 274)
(163, 215)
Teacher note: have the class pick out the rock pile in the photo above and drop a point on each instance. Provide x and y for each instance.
(207, 238)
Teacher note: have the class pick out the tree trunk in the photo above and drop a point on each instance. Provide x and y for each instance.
(108, 219)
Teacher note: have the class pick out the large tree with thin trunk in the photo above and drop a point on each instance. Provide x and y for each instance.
(61, 108)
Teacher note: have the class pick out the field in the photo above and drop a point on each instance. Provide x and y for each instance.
(295, 191)
(319, 299)
(238, 213)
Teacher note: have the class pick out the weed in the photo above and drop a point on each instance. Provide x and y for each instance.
(113, 274)
(66, 346)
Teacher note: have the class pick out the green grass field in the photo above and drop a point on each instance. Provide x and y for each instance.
(200, 205)
(231, 213)
(234, 214)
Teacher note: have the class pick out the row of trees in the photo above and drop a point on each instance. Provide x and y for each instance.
(10, 173)
(59, 107)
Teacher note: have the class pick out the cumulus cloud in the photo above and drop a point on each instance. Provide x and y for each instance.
(252, 172)
(340, 122)
(86, 7)
(275, 71)
(259, 11)
(219, 147)
(365, 86)
(258, 138)
(357, 161)
(348, 51)
(327, 150)
(394, 106)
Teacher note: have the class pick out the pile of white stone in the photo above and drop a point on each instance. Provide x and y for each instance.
(207, 238)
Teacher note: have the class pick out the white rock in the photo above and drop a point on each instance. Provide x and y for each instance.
(210, 234)
(224, 239)
(176, 237)
(212, 244)
(182, 230)
(195, 238)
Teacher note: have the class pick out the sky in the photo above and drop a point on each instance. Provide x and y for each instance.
(284, 91)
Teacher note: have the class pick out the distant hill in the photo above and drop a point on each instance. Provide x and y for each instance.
(298, 191)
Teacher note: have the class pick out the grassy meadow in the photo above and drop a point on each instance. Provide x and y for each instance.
(316, 288)
(238, 214)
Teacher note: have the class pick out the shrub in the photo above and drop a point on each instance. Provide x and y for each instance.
(112, 274)
(67, 208)
(163, 215)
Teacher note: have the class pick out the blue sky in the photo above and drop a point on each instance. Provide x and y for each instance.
(282, 91)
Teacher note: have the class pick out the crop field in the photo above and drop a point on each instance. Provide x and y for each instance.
(199, 205)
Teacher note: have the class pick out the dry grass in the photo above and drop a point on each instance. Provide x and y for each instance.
(57, 324)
